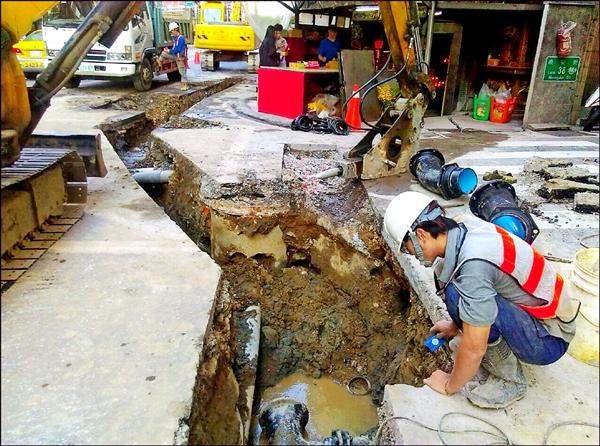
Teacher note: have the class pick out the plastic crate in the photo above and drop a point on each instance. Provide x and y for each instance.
(502, 111)
(481, 108)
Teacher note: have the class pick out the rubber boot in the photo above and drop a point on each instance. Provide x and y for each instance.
(506, 382)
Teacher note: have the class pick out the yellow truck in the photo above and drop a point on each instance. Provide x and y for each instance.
(221, 34)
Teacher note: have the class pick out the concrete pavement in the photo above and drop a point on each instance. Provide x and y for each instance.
(102, 336)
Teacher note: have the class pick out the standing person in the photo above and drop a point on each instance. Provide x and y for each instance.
(176, 53)
(506, 298)
(267, 52)
(280, 44)
(329, 47)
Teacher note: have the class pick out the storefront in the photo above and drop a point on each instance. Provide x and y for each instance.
(512, 47)
(508, 48)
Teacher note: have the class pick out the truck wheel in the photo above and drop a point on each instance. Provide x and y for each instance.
(142, 81)
(174, 76)
(73, 82)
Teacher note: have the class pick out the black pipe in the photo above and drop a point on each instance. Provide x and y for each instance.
(283, 421)
(447, 180)
(496, 202)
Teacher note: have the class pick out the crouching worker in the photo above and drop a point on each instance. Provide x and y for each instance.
(504, 296)
(176, 53)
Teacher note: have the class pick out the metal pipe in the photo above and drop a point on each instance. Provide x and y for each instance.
(247, 339)
(428, 43)
(283, 421)
(447, 180)
(152, 176)
(496, 202)
(333, 172)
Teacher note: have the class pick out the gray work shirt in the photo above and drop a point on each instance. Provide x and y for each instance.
(478, 282)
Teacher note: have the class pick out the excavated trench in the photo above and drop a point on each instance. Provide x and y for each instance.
(333, 302)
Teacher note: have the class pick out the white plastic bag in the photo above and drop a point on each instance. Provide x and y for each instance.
(485, 91)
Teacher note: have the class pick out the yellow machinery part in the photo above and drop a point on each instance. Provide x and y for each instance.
(396, 18)
(15, 112)
(17, 19)
(224, 37)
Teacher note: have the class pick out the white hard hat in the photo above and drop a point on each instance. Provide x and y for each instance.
(173, 25)
(402, 212)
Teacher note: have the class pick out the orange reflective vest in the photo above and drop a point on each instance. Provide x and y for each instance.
(515, 257)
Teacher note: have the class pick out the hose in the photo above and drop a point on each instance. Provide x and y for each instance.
(503, 436)
(439, 430)
(587, 237)
(555, 426)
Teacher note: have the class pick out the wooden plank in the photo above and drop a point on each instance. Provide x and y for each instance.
(11, 274)
(46, 236)
(28, 253)
(17, 263)
(37, 244)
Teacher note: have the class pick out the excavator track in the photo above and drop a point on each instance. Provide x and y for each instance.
(43, 194)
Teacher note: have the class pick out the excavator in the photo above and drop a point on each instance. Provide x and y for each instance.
(399, 126)
(44, 177)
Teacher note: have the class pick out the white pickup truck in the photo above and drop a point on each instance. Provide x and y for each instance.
(132, 56)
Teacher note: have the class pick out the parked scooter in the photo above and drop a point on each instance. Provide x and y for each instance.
(594, 116)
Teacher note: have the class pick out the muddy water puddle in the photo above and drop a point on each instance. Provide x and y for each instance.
(330, 405)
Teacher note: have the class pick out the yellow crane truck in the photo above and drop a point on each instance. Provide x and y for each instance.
(222, 34)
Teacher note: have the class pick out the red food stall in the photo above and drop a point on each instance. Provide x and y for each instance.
(287, 91)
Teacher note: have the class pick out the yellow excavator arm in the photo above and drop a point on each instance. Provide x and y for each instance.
(399, 126)
(17, 20)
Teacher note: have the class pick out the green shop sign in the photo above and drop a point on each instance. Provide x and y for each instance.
(561, 69)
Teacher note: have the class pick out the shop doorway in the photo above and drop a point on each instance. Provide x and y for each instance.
(444, 66)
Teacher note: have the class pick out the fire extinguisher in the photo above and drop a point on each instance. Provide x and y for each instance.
(563, 38)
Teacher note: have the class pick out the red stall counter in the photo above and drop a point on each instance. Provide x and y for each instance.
(285, 91)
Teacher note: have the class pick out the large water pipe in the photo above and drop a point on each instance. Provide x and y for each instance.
(447, 180)
(496, 202)
(283, 420)
(152, 176)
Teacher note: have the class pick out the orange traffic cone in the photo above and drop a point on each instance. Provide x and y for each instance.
(352, 113)
(197, 57)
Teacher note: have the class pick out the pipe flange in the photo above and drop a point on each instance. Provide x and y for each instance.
(356, 379)
(414, 160)
(474, 202)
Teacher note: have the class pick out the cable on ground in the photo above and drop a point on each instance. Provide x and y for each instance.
(499, 437)
(555, 426)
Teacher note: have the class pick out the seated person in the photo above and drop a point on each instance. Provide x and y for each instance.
(329, 47)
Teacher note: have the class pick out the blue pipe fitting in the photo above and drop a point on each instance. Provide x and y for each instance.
(447, 180)
(496, 202)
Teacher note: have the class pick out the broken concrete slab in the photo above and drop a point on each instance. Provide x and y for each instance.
(538, 164)
(229, 157)
(557, 188)
(572, 173)
(499, 175)
(586, 202)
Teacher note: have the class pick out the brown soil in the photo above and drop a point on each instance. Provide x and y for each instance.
(342, 309)
(314, 319)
